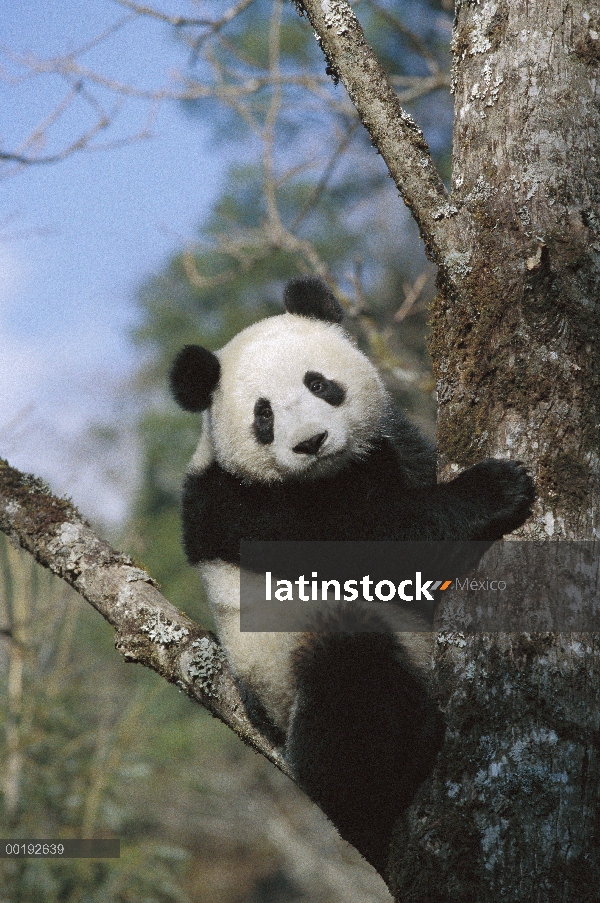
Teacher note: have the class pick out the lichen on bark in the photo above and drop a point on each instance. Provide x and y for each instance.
(517, 351)
(148, 629)
(513, 809)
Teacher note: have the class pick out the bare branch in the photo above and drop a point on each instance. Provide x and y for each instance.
(211, 26)
(411, 87)
(149, 630)
(216, 26)
(228, 81)
(412, 294)
(413, 39)
(101, 37)
(82, 143)
(176, 21)
(196, 279)
(326, 175)
(397, 137)
(270, 188)
(25, 155)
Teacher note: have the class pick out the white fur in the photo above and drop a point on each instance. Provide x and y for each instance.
(262, 660)
(269, 360)
(205, 452)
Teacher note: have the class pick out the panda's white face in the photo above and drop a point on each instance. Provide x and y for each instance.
(295, 398)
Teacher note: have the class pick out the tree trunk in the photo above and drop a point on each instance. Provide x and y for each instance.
(512, 811)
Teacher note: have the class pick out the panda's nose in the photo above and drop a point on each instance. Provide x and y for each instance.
(310, 446)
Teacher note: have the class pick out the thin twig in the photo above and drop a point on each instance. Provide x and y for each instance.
(219, 24)
(196, 279)
(103, 36)
(326, 175)
(270, 190)
(176, 21)
(413, 39)
(412, 294)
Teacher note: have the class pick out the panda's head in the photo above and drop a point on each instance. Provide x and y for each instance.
(290, 396)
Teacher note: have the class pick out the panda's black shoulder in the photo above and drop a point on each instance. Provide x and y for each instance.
(211, 501)
(416, 455)
(366, 500)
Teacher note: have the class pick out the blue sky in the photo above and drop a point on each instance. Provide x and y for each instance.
(78, 237)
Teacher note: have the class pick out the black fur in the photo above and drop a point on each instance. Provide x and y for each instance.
(194, 377)
(257, 715)
(364, 732)
(380, 734)
(263, 424)
(324, 388)
(310, 446)
(308, 296)
(370, 499)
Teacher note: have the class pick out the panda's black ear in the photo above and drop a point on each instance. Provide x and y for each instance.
(308, 296)
(194, 377)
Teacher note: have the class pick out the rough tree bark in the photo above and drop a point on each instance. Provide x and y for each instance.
(148, 629)
(512, 811)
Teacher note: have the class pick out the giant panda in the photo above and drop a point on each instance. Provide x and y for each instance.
(300, 441)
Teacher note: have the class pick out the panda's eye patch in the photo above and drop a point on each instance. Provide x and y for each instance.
(324, 388)
(263, 422)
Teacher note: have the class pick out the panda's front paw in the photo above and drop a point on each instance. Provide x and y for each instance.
(506, 491)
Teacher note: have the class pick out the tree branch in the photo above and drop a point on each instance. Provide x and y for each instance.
(149, 630)
(213, 25)
(393, 131)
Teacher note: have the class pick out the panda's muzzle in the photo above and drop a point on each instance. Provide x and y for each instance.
(310, 446)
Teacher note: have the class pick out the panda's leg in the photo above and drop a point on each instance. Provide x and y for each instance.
(363, 734)
(260, 661)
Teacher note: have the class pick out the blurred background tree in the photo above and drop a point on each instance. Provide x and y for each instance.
(92, 748)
